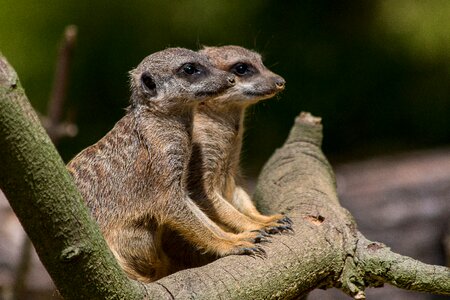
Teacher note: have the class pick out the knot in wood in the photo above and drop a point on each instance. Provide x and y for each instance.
(70, 253)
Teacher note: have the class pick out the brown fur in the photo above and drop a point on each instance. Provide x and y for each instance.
(217, 141)
(134, 179)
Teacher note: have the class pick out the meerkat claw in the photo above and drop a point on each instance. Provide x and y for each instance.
(279, 229)
(262, 239)
(256, 251)
(285, 220)
(261, 253)
(286, 228)
(261, 232)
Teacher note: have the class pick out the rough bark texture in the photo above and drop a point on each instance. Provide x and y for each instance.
(326, 250)
(401, 200)
(44, 197)
(298, 178)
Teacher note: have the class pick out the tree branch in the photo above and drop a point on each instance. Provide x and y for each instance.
(44, 197)
(56, 129)
(325, 250)
(378, 263)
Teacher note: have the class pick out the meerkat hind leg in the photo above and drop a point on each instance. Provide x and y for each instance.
(274, 223)
(138, 251)
(223, 212)
(198, 229)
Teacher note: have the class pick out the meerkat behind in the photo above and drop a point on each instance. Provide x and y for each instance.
(217, 141)
(134, 179)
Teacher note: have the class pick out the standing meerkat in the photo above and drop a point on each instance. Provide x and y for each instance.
(134, 179)
(217, 141)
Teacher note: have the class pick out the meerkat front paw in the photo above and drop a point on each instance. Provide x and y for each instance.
(280, 228)
(255, 236)
(285, 220)
(244, 248)
(275, 224)
(257, 251)
(245, 243)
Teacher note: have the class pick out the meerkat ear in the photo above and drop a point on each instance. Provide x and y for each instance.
(148, 84)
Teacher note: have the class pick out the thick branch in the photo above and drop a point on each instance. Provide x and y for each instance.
(366, 263)
(379, 264)
(297, 180)
(44, 197)
(55, 129)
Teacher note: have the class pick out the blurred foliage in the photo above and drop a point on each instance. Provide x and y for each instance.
(376, 71)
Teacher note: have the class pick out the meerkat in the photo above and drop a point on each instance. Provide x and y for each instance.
(217, 140)
(133, 180)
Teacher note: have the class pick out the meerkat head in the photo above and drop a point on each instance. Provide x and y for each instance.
(254, 82)
(176, 77)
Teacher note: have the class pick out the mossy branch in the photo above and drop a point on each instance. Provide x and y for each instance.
(326, 249)
(47, 203)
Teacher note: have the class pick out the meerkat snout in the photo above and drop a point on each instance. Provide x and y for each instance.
(280, 82)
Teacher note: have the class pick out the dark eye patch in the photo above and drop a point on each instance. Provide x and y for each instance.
(190, 69)
(242, 69)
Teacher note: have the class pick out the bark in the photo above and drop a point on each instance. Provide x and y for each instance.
(56, 129)
(401, 200)
(326, 250)
(44, 197)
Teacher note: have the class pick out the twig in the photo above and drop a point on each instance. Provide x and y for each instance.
(53, 123)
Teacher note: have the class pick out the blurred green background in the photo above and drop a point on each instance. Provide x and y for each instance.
(377, 72)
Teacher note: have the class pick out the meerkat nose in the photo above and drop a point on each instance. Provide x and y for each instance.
(280, 82)
(232, 80)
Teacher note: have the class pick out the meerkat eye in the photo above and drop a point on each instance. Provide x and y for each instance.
(241, 69)
(190, 69)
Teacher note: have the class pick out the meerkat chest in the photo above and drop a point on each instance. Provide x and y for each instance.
(167, 152)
